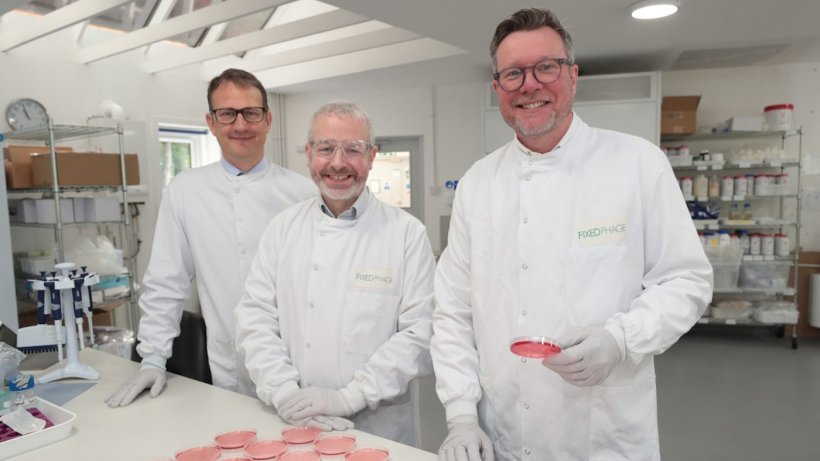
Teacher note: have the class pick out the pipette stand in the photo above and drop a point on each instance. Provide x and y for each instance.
(73, 368)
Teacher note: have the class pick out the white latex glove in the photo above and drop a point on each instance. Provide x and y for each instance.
(313, 401)
(465, 441)
(327, 423)
(148, 377)
(587, 356)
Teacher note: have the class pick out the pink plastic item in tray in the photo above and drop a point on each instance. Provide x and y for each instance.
(368, 454)
(235, 439)
(335, 445)
(300, 455)
(7, 433)
(297, 435)
(534, 347)
(198, 454)
(265, 449)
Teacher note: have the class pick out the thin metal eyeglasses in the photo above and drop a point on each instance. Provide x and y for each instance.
(326, 148)
(250, 114)
(546, 71)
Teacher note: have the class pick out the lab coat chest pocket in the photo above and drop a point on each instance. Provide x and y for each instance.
(369, 321)
(596, 283)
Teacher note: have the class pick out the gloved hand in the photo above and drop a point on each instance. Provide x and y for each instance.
(465, 441)
(313, 401)
(148, 377)
(327, 423)
(587, 357)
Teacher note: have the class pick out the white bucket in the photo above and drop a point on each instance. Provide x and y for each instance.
(779, 117)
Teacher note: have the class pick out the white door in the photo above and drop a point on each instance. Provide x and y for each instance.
(396, 177)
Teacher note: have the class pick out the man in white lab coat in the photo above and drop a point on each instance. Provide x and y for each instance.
(569, 232)
(335, 320)
(209, 224)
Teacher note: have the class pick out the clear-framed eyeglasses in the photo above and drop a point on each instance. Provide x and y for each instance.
(546, 71)
(250, 114)
(326, 148)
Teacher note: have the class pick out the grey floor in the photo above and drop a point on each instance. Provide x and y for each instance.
(739, 393)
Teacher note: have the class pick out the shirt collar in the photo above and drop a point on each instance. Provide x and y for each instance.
(354, 212)
(576, 121)
(234, 171)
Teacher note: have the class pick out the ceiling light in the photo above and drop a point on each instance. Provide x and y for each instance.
(653, 9)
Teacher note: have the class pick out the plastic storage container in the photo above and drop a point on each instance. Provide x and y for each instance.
(726, 275)
(765, 274)
(778, 117)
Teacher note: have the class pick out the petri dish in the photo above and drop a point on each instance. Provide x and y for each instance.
(335, 445)
(265, 449)
(198, 454)
(235, 439)
(534, 347)
(300, 455)
(368, 454)
(235, 459)
(299, 435)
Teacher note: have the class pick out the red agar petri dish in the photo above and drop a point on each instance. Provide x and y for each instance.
(298, 435)
(236, 459)
(300, 455)
(335, 445)
(368, 454)
(265, 449)
(534, 347)
(198, 454)
(235, 439)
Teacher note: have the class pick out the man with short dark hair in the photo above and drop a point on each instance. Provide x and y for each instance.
(208, 227)
(567, 232)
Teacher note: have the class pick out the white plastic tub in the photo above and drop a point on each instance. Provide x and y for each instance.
(62, 419)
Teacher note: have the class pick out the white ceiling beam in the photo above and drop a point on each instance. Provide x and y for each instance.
(57, 20)
(220, 12)
(423, 49)
(370, 39)
(289, 31)
(9, 5)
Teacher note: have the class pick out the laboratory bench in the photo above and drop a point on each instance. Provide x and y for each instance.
(187, 414)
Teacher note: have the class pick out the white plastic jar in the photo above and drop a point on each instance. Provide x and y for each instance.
(767, 245)
(701, 186)
(778, 117)
(686, 186)
(740, 185)
(727, 187)
(781, 245)
(754, 244)
(762, 185)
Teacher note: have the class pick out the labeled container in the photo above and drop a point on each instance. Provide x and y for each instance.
(700, 186)
(754, 244)
(778, 117)
(714, 186)
(767, 245)
(750, 185)
(762, 185)
(740, 185)
(781, 245)
(727, 187)
(686, 186)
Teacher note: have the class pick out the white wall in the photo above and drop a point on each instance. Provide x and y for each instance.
(746, 91)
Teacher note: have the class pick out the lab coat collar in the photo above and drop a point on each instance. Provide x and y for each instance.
(354, 212)
(573, 127)
(234, 171)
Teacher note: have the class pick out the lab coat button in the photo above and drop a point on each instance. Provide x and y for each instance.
(526, 406)
(322, 234)
(307, 345)
(525, 220)
(243, 252)
(523, 313)
(241, 220)
(529, 162)
(236, 189)
(527, 451)
(523, 360)
(528, 177)
(524, 266)
(310, 305)
(315, 267)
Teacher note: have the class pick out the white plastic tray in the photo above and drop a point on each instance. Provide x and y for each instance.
(62, 419)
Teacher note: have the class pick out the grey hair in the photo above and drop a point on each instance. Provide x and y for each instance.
(345, 108)
(530, 19)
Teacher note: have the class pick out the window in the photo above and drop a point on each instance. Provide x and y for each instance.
(183, 147)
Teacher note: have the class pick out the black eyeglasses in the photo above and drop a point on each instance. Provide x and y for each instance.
(546, 71)
(250, 114)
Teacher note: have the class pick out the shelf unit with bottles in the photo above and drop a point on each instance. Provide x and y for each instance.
(780, 206)
(50, 135)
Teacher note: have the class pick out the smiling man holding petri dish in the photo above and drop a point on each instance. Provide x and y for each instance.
(571, 246)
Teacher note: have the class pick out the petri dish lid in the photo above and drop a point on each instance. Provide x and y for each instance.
(368, 454)
(265, 449)
(300, 455)
(297, 435)
(534, 347)
(335, 445)
(235, 439)
(198, 454)
(236, 459)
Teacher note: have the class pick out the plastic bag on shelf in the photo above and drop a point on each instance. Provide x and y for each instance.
(101, 257)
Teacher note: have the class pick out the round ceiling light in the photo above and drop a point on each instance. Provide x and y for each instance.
(654, 9)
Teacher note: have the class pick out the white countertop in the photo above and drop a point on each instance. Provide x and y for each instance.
(187, 414)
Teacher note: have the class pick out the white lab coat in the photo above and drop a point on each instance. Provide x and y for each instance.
(596, 231)
(342, 304)
(208, 227)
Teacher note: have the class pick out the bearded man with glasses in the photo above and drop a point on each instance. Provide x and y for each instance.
(335, 320)
(209, 223)
(571, 233)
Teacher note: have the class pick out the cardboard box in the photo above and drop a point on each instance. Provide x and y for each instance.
(17, 163)
(84, 169)
(679, 115)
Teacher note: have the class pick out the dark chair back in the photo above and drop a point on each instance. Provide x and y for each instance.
(189, 356)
